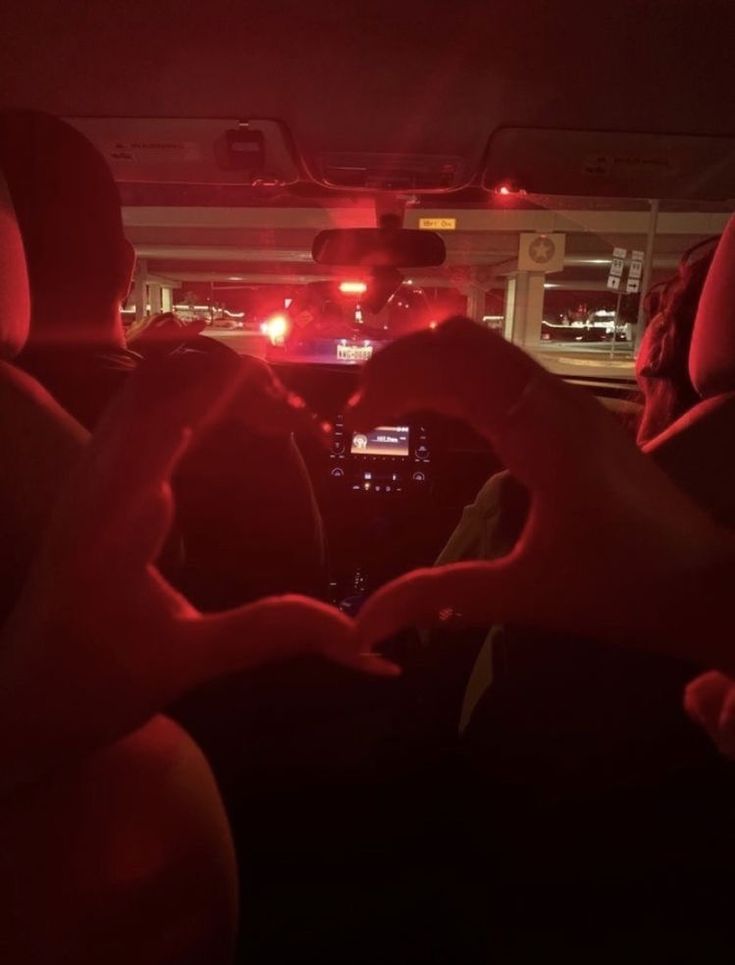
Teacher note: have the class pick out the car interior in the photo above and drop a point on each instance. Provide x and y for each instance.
(304, 184)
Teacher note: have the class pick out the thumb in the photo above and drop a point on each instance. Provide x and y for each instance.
(709, 701)
(273, 629)
(471, 593)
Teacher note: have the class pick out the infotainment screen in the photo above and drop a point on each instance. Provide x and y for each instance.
(383, 441)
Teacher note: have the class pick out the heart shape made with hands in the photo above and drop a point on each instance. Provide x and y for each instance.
(100, 641)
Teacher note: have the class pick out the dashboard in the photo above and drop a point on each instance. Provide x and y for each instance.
(390, 497)
(387, 461)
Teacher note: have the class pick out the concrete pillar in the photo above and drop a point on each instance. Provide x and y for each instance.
(154, 298)
(475, 302)
(140, 287)
(524, 307)
(511, 283)
(647, 270)
(167, 299)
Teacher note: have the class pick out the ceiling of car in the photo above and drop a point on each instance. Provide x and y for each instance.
(422, 79)
(417, 76)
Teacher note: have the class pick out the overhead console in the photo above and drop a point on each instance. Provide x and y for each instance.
(387, 461)
(261, 152)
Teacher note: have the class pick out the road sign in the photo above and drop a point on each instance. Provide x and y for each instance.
(541, 252)
(616, 268)
(438, 224)
(636, 272)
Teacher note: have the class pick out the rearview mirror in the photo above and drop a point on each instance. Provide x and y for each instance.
(379, 248)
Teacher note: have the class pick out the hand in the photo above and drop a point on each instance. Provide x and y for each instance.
(602, 516)
(267, 407)
(100, 641)
(262, 403)
(163, 331)
(710, 702)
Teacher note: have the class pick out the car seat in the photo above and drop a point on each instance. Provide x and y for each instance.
(38, 436)
(696, 450)
(590, 742)
(125, 855)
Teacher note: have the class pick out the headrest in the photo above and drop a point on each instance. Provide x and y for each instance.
(68, 209)
(712, 352)
(14, 297)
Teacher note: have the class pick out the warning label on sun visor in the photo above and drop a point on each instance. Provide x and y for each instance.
(152, 152)
(606, 165)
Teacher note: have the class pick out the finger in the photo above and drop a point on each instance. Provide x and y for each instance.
(442, 368)
(372, 664)
(462, 370)
(521, 589)
(272, 629)
(470, 594)
(706, 700)
(276, 413)
(704, 697)
(554, 437)
(132, 455)
(266, 406)
(726, 724)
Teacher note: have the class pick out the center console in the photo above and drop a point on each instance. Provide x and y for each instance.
(387, 461)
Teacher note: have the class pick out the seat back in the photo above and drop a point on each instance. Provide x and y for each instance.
(126, 854)
(35, 433)
(697, 450)
(698, 454)
(14, 296)
(712, 350)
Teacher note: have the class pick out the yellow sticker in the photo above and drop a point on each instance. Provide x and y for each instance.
(438, 224)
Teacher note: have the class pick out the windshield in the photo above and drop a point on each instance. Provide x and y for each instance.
(315, 322)
(564, 277)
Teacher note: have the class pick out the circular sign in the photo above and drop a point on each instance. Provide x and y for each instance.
(542, 250)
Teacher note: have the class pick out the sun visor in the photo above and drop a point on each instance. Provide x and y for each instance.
(712, 352)
(162, 150)
(14, 296)
(612, 164)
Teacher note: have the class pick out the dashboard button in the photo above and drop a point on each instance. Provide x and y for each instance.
(419, 477)
(337, 473)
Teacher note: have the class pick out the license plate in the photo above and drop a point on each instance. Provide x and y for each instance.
(354, 353)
